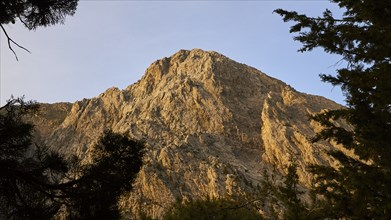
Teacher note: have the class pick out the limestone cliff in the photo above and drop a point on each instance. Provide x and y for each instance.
(211, 125)
(48, 118)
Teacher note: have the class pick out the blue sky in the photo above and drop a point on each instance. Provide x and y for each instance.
(111, 43)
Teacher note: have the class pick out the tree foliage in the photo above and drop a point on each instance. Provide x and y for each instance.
(211, 209)
(33, 14)
(289, 193)
(283, 199)
(36, 183)
(115, 162)
(362, 36)
(30, 186)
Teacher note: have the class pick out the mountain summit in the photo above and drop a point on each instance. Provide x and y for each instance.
(211, 125)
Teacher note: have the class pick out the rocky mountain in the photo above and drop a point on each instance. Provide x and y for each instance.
(211, 125)
(48, 118)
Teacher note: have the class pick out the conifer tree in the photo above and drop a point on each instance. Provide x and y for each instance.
(30, 175)
(33, 14)
(359, 188)
(115, 162)
(36, 183)
(289, 193)
(219, 209)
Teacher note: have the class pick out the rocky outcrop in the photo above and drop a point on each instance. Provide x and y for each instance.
(211, 126)
(48, 118)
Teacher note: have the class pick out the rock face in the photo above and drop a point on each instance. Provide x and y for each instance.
(211, 125)
(48, 118)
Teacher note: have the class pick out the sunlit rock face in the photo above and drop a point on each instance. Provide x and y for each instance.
(211, 126)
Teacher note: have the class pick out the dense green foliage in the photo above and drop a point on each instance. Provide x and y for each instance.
(35, 13)
(30, 186)
(359, 189)
(116, 160)
(36, 183)
(276, 200)
(289, 194)
(282, 199)
(211, 209)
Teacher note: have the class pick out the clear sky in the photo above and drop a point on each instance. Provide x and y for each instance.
(111, 43)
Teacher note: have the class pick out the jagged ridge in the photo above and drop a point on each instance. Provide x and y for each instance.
(211, 125)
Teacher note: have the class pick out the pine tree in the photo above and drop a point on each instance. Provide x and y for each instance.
(36, 183)
(359, 188)
(115, 163)
(219, 209)
(289, 194)
(33, 14)
(30, 175)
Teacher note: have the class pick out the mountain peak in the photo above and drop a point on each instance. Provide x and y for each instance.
(211, 125)
(196, 54)
(179, 63)
(211, 69)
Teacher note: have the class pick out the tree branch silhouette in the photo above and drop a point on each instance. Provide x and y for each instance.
(10, 40)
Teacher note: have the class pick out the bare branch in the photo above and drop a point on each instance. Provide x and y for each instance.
(243, 205)
(21, 20)
(9, 40)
